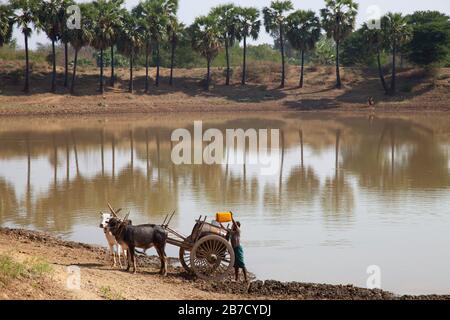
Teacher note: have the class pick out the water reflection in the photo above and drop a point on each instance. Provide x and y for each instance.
(341, 179)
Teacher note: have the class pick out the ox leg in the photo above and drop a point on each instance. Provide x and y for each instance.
(163, 258)
(128, 259)
(133, 258)
(113, 254)
(119, 253)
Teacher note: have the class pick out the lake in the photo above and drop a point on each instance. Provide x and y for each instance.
(350, 192)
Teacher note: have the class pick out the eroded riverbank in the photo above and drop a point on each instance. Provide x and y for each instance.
(100, 281)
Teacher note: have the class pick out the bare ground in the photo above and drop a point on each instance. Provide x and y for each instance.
(418, 91)
(99, 280)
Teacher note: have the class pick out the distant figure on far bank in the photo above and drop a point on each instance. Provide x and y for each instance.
(371, 104)
(238, 250)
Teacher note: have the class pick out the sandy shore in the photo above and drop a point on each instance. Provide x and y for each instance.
(99, 280)
(417, 93)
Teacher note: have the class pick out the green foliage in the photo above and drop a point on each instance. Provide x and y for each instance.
(357, 51)
(324, 54)
(206, 37)
(6, 24)
(249, 24)
(303, 30)
(11, 269)
(338, 18)
(275, 16)
(430, 41)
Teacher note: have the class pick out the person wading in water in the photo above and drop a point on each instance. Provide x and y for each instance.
(238, 250)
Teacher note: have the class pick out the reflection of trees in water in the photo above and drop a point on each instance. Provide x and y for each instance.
(303, 183)
(337, 198)
(397, 156)
(8, 200)
(386, 155)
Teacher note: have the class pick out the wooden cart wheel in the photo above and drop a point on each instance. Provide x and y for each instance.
(185, 260)
(212, 258)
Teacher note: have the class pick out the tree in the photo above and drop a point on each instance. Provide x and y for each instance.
(430, 41)
(80, 38)
(154, 16)
(51, 17)
(275, 18)
(338, 20)
(64, 37)
(226, 16)
(397, 32)
(303, 32)
(176, 31)
(24, 16)
(374, 37)
(129, 41)
(206, 40)
(117, 25)
(105, 19)
(249, 25)
(6, 24)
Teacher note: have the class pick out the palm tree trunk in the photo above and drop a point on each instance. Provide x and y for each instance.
(113, 79)
(53, 89)
(302, 68)
(157, 64)
(101, 71)
(338, 73)
(146, 66)
(27, 67)
(283, 73)
(66, 65)
(244, 63)
(380, 73)
(130, 88)
(208, 73)
(172, 59)
(394, 74)
(227, 56)
(72, 87)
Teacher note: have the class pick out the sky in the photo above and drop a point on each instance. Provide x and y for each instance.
(189, 9)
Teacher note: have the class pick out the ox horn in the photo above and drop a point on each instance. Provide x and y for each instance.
(114, 213)
(126, 217)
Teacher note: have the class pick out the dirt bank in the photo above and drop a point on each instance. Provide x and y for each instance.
(101, 281)
(418, 92)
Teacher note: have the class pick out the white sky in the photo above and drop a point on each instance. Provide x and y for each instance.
(189, 9)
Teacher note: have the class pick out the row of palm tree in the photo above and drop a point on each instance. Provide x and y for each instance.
(153, 23)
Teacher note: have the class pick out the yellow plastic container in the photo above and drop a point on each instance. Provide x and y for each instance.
(223, 217)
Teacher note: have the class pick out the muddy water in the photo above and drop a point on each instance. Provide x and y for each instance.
(349, 192)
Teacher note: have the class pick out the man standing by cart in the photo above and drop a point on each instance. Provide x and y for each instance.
(238, 250)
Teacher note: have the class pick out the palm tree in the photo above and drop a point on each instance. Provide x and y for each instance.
(206, 39)
(51, 16)
(176, 30)
(375, 40)
(226, 16)
(303, 34)
(64, 37)
(248, 26)
(154, 16)
(105, 19)
(6, 24)
(117, 24)
(129, 41)
(24, 16)
(397, 32)
(275, 18)
(82, 37)
(338, 20)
